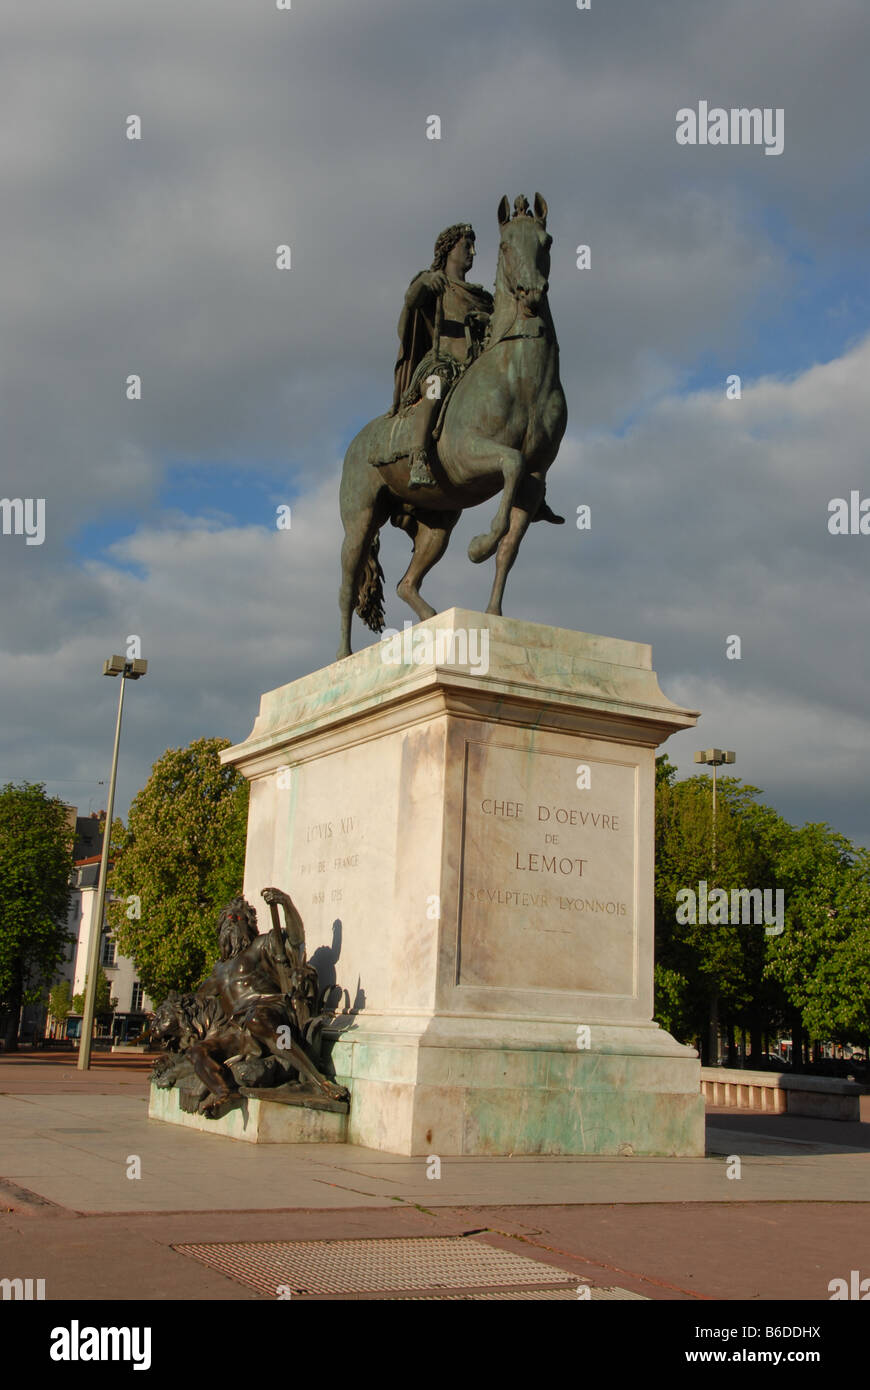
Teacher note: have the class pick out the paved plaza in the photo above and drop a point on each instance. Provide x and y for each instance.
(795, 1218)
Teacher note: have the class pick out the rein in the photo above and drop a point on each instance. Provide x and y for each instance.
(511, 337)
(542, 331)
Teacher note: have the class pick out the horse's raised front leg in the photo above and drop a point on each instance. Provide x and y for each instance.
(508, 462)
(528, 500)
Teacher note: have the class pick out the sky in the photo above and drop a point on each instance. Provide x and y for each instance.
(307, 127)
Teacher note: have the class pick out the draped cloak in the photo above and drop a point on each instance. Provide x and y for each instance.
(417, 327)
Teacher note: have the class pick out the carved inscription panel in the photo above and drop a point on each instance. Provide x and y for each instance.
(338, 860)
(548, 872)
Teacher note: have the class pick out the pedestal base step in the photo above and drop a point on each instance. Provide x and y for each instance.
(255, 1120)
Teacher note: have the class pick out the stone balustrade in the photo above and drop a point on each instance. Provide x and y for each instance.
(819, 1097)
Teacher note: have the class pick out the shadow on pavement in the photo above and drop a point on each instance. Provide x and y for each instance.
(789, 1133)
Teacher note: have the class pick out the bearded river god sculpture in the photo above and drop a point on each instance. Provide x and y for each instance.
(478, 409)
(252, 1026)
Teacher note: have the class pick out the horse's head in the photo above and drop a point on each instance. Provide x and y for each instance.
(524, 254)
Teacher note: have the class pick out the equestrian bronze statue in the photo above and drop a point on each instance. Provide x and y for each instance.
(478, 410)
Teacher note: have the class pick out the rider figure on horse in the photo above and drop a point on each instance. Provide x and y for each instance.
(441, 331)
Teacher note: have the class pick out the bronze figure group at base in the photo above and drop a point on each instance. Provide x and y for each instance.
(253, 1024)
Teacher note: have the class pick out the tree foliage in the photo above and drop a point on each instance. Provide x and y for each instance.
(36, 863)
(103, 1003)
(822, 959)
(705, 965)
(815, 974)
(60, 1001)
(181, 857)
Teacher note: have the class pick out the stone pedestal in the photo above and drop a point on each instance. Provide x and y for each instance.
(464, 818)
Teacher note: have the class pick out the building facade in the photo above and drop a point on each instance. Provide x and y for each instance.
(130, 1004)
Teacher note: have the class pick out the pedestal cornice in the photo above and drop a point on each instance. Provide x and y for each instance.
(532, 676)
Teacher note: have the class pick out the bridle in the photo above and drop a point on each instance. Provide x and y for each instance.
(542, 331)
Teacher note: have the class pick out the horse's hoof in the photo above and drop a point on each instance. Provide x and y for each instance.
(423, 609)
(481, 548)
(546, 513)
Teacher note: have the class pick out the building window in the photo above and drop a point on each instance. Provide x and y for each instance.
(110, 955)
(136, 1001)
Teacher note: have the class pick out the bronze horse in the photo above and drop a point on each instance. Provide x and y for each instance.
(502, 427)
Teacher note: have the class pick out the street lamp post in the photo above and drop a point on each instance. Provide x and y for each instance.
(127, 670)
(714, 757)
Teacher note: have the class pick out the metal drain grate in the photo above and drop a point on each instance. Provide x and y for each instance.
(374, 1266)
(562, 1295)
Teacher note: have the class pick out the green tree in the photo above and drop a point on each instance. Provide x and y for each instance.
(706, 972)
(822, 959)
(103, 1004)
(814, 977)
(178, 862)
(60, 1001)
(666, 772)
(35, 866)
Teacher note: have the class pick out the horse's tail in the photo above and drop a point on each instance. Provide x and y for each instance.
(370, 588)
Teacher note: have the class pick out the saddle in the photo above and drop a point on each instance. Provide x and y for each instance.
(401, 431)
